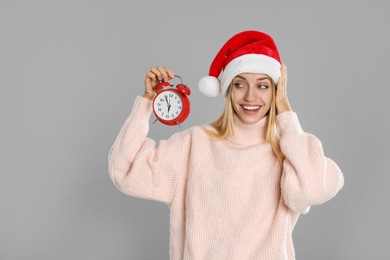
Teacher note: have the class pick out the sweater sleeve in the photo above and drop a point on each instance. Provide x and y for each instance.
(136, 166)
(309, 177)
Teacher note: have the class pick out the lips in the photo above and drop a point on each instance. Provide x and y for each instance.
(251, 109)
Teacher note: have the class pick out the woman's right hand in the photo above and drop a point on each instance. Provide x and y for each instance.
(154, 77)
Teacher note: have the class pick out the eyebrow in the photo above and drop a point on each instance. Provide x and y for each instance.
(256, 79)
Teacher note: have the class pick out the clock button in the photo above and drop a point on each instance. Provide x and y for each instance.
(162, 85)
(184, 89)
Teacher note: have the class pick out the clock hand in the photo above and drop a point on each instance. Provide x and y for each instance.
(169, 105)
(167, 101)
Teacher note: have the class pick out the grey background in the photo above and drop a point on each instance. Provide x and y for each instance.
(70, 71)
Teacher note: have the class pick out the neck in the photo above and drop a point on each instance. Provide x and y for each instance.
(248, 134)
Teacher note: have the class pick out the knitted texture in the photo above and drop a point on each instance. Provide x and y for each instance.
(227, 200)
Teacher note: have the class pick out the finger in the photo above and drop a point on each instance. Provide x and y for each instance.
(151, 76)
(157, 73)
(163, 72)
(284, 76)
(280, 76)
(170, 73)
(280, 81)
(150, 79)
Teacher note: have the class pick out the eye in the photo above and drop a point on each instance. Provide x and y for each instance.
(239, 85)
(263, 86)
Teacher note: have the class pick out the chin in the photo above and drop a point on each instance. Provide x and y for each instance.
(250, 121)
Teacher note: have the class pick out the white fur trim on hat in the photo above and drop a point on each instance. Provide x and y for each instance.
(209, 86)
(250, 63)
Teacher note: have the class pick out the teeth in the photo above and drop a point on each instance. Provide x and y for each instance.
(250, 107)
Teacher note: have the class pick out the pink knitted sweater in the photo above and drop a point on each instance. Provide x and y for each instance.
(228, 199)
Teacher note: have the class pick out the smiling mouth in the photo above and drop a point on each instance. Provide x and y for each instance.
(250, 110)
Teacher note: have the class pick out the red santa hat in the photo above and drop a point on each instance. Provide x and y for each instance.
(245, 52)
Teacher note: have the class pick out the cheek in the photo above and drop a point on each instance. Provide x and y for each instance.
(235, 97)
(233, 101)
(235, 94)
(268, 96)
(267, 99)
(265, 96)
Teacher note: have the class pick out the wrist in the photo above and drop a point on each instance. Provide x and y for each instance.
(148, 96)
(283, 108)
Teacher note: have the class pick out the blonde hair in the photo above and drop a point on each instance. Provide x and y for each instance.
(224, 123)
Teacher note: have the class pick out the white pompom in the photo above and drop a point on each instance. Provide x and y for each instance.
(209, 86)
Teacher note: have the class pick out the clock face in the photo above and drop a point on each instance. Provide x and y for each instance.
(168, 105)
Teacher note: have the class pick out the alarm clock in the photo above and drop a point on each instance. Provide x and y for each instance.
(171, 105)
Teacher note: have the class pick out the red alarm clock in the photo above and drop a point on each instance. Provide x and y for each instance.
(171, 105)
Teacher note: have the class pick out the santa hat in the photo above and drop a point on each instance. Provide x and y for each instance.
(245, 52)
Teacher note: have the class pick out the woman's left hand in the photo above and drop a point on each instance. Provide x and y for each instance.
(282, 103)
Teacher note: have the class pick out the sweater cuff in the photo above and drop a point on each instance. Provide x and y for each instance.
(288, 122)
(142, 107)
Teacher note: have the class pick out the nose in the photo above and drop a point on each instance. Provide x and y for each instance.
(250, 94)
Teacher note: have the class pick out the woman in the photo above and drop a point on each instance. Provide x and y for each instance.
(236, 187)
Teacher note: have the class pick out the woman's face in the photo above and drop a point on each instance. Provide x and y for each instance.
(251, 96)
